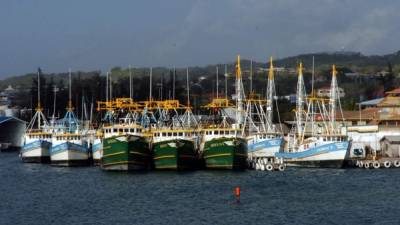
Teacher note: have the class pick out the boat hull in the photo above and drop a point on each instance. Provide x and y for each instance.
(97, 153)
(265, 148)
(175, 155)
(126, 152)
(225, 153)
(36, 152)
(69, 154)
(332, 155)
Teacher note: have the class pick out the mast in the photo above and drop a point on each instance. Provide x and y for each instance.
(251, 76)
(270, 95)
(107, 87)
(70, 108)
(55, 89)
(239, 93)
(300, 101)
(312, 113)
(226, 82)
(217, 81)
(332, 99)
(39, 108)
(111, 93)
(173, 83)
(187, 86)
(130, 81)
(151, 78)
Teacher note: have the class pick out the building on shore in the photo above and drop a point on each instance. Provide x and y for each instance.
(11, 133)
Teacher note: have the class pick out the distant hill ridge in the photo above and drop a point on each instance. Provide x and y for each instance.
(355, 61)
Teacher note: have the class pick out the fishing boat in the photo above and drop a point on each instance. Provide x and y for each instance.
(224, 148)
(325, 145)
(37, 139)
(69, 142)
(125, 147)
(176, 139)
(174, 149)
(263, 138)
(223, 145)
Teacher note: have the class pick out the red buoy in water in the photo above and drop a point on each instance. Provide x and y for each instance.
(237, 194)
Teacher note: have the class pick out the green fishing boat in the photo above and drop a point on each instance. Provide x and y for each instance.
(224, 152)
(174, 150)
(126, 152)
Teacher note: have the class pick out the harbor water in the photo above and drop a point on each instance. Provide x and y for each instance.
(42, 194)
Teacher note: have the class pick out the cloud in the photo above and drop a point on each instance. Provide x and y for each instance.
(196, 32)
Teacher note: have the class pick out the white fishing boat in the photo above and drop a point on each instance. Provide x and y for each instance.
(38, 135)
(69, 144)
(325, 146)
(263, 138)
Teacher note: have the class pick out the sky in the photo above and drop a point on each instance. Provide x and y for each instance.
(100, 34)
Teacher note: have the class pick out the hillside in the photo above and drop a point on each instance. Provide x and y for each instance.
(356, 62)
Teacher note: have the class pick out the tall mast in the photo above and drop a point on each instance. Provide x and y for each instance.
(70, 109)
(107, 87)
(226, 82)
(130, 81)
(300, 101)
(270, 95)
(251, 76)
(332, 99)
(187, 86)
(312, 113)
(111, 84)
(55, 89)
(217, 81)
(239, 93)
(151, 79)
(39, 108)
(173, 83)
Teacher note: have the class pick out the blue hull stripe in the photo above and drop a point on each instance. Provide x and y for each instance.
(36, 144)
(332, 147)
(265, 144)
(68, 146)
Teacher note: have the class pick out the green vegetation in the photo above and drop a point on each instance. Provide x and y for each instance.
(90, 86)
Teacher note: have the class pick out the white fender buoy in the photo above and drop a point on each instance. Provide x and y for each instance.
(281, 167)
(265, 160)
(396, 164)
(262, 167)
(387, 164)
(366, 165)
(270, 167)
(361, 164)
(376, 165)
(357, 163)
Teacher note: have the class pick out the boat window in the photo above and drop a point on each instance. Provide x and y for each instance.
(115, 130)
(174, 134)
(180, 134)
(169, 134)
